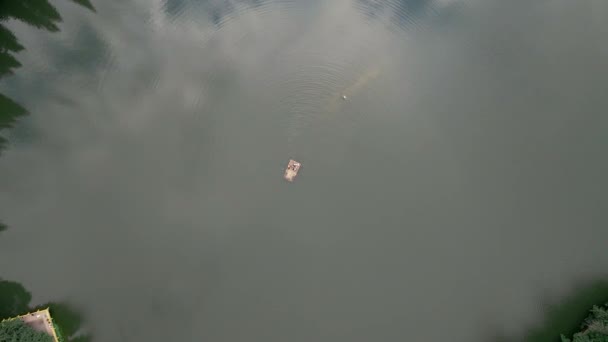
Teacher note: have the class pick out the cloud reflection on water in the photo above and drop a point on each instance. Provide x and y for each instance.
(153, 174)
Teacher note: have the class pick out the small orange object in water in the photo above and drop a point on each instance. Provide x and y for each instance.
(292, 170)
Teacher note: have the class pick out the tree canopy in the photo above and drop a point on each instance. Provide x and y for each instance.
(15, 300)
(37, 13)
(17, 331)
(595, 327)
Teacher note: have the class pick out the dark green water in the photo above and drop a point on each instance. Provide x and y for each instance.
(457, 192)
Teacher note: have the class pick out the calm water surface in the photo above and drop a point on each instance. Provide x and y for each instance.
(460, 186)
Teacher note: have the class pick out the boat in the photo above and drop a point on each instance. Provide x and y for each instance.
(292, 170)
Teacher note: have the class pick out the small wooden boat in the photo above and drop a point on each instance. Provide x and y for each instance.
(292, 170)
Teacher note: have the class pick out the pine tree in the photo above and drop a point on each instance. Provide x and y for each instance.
(595, 328)
(17, 331)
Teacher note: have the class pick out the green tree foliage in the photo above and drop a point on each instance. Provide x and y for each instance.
(68, 320)
(15, 301)
(566, 315)
(9, 109)
(38, 13)
(563, 316)
(595, 327)
(17, 331)
(8, 45)
(14, 298)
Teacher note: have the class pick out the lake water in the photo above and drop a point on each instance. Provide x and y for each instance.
(459, 188)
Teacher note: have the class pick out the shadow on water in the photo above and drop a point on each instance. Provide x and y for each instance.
(565, 316)
(15, 300)
(9, 112)
(68, 320)
(38, 13)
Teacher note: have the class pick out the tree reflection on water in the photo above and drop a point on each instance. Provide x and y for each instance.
(15, 301)
(38, 13)
(14, 298)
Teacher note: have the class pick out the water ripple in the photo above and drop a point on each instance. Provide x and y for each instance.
(412, 15)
